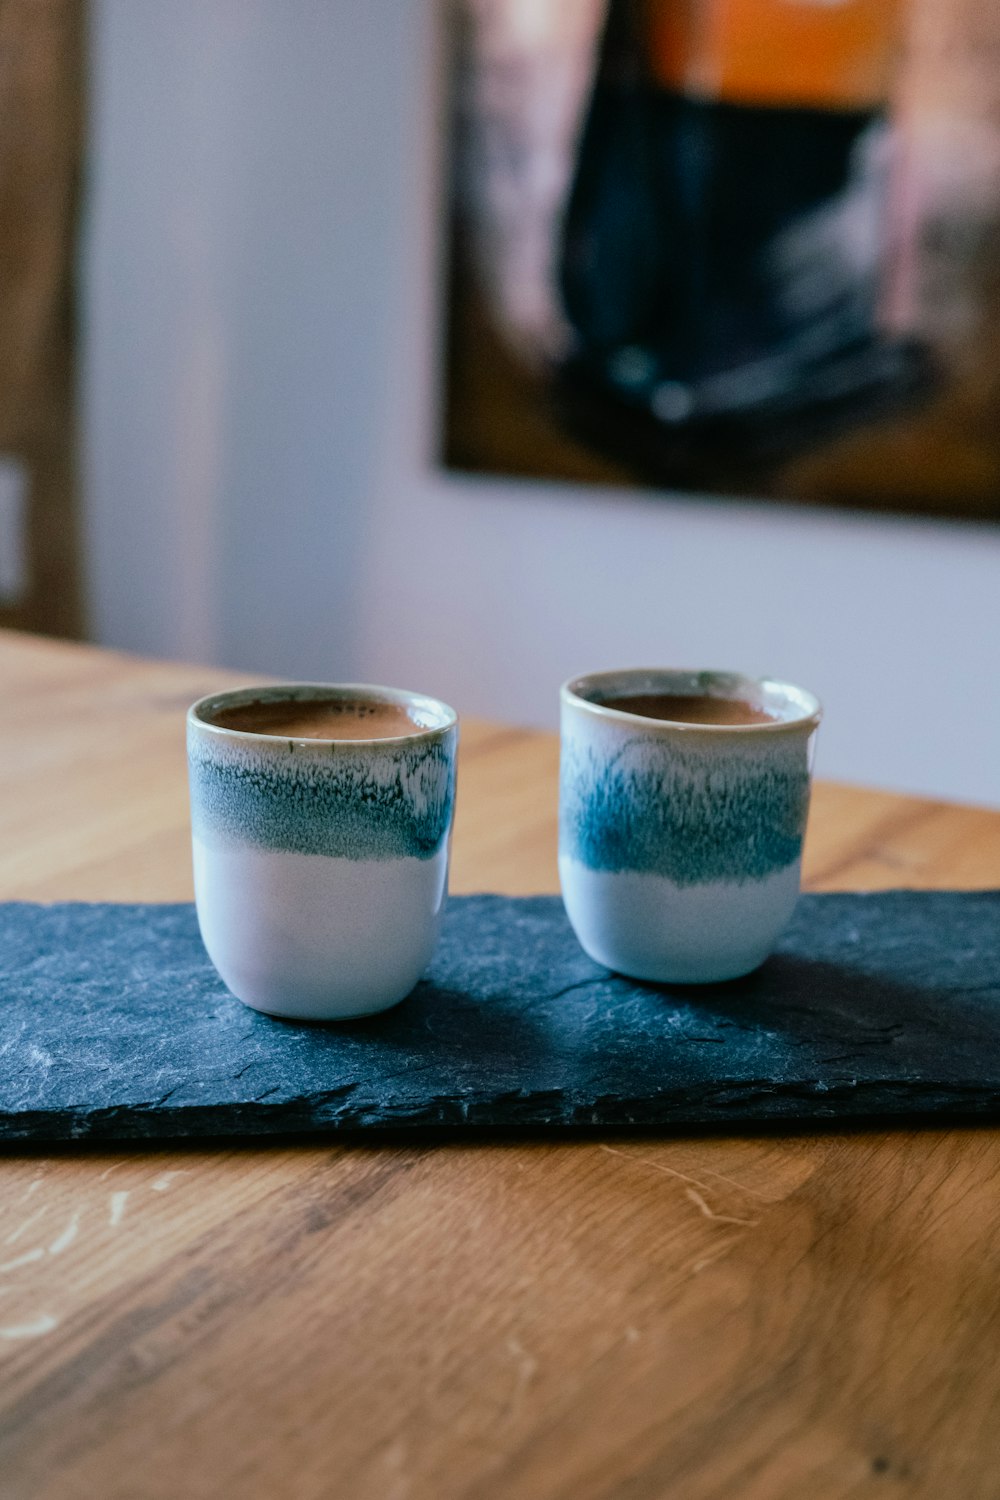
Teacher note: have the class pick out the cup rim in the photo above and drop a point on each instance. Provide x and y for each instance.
(694, 679)
(333, 691)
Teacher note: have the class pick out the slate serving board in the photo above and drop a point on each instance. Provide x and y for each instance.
(114, 1026)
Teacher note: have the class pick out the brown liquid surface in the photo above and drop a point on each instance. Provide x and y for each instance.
(319, 719)
(693, 708)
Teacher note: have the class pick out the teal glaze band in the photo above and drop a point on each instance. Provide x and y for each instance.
(694, 819)
(394, 804)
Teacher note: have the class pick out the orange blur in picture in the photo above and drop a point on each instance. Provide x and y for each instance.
(814, 53)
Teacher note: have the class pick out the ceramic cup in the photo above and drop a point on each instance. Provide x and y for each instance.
(321, 866)
(680, 844)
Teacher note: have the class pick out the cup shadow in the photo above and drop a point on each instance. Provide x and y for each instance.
(849, 1014)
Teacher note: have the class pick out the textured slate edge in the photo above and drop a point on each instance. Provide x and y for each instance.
(887, 1103)
(926, 965)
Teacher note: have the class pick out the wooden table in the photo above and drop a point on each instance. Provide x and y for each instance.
(802, 1316)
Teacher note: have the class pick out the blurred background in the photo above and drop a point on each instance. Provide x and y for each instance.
(226, 314)
(729, 246)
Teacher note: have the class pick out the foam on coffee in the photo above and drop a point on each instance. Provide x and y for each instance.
(319, 719)
(690, 708)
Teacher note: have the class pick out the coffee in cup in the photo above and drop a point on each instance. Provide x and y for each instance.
(321, 822)
(683, 804)
(320, 719)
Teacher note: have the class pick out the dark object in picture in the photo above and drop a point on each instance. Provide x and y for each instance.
(745, 247)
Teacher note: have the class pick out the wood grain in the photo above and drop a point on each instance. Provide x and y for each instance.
(757, 1318)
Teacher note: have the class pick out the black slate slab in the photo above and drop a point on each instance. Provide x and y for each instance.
(114, 1026)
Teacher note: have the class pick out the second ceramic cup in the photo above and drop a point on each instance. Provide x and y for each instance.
(680, 840)
(321, 822)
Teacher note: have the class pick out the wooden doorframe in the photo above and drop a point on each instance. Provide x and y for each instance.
(42, 88)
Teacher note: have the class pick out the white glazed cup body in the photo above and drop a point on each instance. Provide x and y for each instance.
(321, 866)
(680, 844)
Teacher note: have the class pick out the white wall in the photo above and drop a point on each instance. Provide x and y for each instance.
(260, 291)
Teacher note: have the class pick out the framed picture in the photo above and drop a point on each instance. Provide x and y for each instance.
(741, 247)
